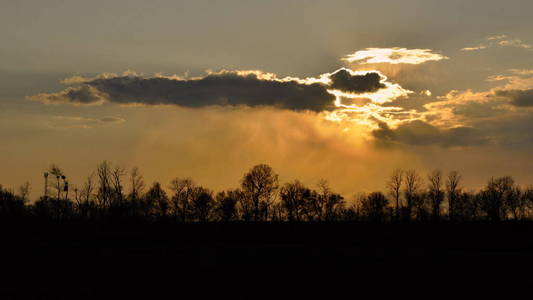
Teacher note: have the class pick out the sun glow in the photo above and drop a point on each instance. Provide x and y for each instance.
(372, 112)
(393, 56)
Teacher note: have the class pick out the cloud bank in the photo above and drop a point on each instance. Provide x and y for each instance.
(421, 133)
(520, 98)
(225, 88)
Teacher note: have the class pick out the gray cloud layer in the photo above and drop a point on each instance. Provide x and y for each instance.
(522, 98)
(225, 88)
(421, 133)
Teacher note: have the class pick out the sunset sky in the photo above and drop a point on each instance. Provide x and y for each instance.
(341, 90)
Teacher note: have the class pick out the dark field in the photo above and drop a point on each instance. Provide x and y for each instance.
(251, 261)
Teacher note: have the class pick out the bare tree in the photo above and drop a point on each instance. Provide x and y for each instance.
(84, 197)
(24, 191)
(330, 202)
(435, 192)
(116, 180)
(493, 197)
(245, 205)
(527, 198)
(411, 189)
(453, 191)
(136, 184)
(515, 202)
(202, 204)
(226, 206)
(156, 201)
(294, 196)
(373, 206)
(87, 191)
(182, 196)
(260, 184)
(395, 185)
(317, 202)
(105, 190)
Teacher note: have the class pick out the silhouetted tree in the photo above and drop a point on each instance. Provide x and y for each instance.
(411, 190)
(203, 204)
(226, 205)
(435, 193)
(156, 201)
(465, 206)
(316, 203)
(105, 190)
(351, 213)
(246, 206)
(328, 203)
(395, 185)
(453, 191)
(11, 205)
(117, 188)
(181, 199)
(277, 214)
(421, 205)
(527, 199)
(260, 184)
(373, 206)
(101, 197)
(137, 185)
(24, 191)
(334, 203)
(494, 195)
(57, 209)
(514, 203)
(86, 206)
(294, 197)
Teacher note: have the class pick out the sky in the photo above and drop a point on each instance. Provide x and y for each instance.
(341, 90)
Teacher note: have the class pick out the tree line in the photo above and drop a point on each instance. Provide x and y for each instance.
(261, 198)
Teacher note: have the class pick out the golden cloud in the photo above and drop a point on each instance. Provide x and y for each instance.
(393, 56)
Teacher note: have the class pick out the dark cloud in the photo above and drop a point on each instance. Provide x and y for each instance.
(84, 94)
(216, 89)
(226, 88)
(521, 98)
(421, 133)
(345, 81)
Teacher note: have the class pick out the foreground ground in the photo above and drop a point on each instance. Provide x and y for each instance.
(265, 261)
